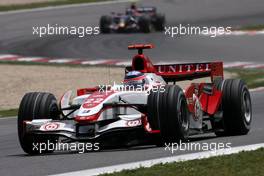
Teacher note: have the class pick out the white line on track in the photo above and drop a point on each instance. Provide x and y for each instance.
(7, 56)
(94, 62)
(236, 64)
(60, 61)
(29, 59)
(149, 163)
(123, 63)
(237, 33)
(65, 6)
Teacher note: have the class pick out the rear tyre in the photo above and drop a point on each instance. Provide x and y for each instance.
(237, 108)
(36, 105)
(105, 22)
(171, 112)
(159, 22)
(144, 24)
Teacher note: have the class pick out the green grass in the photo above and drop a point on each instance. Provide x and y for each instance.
(253, 77)
(8, 113)
(241, 164)
(253, 27)
(44, 4)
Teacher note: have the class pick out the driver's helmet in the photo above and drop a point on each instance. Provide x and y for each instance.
(133, 6)
(135, 78)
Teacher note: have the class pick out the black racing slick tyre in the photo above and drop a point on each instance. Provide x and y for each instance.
(144, 24)
(168, 111)
(105, 22)
(152, 105)
(152, 114)
(36, 105)
(159, 22)
(236, 107)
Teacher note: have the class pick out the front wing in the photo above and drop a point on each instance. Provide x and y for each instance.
(83, 131)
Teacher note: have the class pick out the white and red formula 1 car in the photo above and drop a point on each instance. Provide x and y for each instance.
(147, 106)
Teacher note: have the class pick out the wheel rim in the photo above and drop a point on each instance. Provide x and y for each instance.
(247, 106)
(183, 116)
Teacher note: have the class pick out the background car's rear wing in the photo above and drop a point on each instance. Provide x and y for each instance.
(143, 10)
(174, 72)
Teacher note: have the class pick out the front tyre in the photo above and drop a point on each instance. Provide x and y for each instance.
(170, 114)
(36, 105)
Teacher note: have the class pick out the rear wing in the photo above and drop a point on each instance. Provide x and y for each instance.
(143, 10)
(190, 71)
(174, 72)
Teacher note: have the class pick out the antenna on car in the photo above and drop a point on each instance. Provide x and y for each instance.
(140, 47)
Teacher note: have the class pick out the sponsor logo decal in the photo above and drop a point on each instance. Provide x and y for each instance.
(133, 123)
(50, 126)
(96, 99)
